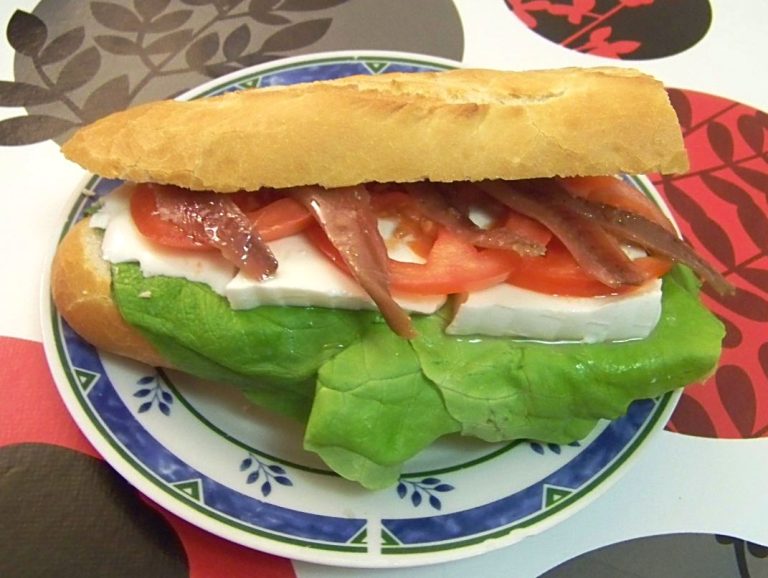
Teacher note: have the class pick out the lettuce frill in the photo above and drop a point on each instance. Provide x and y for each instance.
(371, 400)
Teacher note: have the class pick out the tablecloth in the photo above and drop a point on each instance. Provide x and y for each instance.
(693, 504)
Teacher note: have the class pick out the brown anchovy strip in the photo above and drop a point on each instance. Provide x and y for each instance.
(346, 216)
(215, 220)
(597, 251)
(643, 232)
(437, 206)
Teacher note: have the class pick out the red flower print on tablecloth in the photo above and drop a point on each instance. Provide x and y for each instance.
(624, 29)
(721, 205)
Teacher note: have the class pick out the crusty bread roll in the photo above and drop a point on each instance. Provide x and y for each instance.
(446, 126)
(81, 287)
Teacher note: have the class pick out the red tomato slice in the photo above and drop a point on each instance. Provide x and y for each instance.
(153, 227)
(320, 240)
(413, 227)
(453, 266)
(280, 218)
(251, 201)
(617, 193)
(558, 273)
(527, 228)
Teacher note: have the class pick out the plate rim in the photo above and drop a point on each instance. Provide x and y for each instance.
(181, 506)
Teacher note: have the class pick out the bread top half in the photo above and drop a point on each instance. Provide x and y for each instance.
(458, 125)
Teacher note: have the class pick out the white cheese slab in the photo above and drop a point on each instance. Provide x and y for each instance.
(508, 311)
(305, 277)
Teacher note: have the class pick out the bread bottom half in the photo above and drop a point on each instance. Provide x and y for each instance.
(81, 287)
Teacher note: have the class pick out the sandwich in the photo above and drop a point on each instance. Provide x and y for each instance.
(391, 259)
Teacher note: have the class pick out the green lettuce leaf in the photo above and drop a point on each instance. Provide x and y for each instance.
(495, 389)
(372, 400)
(501, 389)
(374, 409)
(272, 353)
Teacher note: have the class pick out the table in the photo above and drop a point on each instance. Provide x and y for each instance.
(692, 505)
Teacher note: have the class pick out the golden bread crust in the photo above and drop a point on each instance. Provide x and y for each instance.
(465, 124)
(81, 287)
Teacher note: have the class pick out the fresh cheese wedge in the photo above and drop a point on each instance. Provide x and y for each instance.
(508, 311)
(305, 277)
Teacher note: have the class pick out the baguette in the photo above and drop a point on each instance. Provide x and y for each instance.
(450, 126)
(454, 125)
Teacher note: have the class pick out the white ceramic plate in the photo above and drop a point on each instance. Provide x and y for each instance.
(201, 451)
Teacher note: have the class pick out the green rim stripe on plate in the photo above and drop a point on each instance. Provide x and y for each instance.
(625, 455)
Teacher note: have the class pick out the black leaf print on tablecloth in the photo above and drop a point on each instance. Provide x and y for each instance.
(733, 335)
(23, 94)
(155, 33)
(202, 51)
(227, 4)
(745, 303)
(214, 70)
(752, 130)
(742, 551)
(753, 178)
(738, 397)
(721, 140)
(303, 5)
(262, 11)
(237, 42)
(62, 47)
(170, 42)
(751, 216)
(168, 22)
(262, 6)
(26, 33)
(23, 130)
(709, 231)
(763, 357)
(758, 277)
(692, 418)
(148, 9)
(114, 92)
(296, 36)
(721, 205)
(626, 29)
(79, 70)
(117, 44)
(116, 17)
(682, 107)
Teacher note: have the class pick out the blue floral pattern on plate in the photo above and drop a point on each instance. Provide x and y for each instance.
(266, 474)
(153, 395)
(426, 488)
